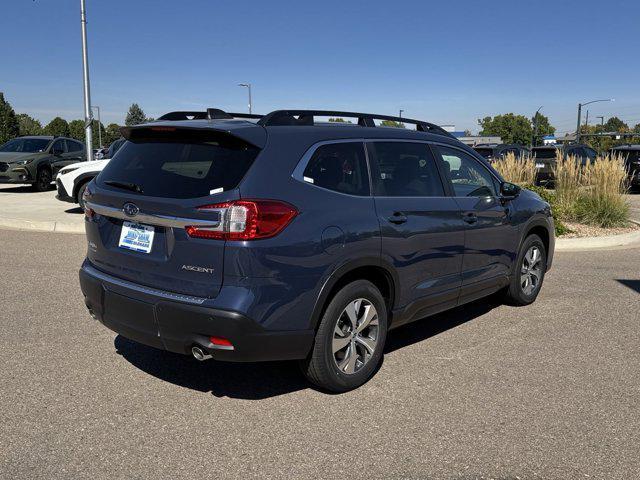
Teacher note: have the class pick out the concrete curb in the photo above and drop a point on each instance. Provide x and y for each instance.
(598, 243)
(41, 226)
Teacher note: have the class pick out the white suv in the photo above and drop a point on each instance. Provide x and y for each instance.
(73, 179)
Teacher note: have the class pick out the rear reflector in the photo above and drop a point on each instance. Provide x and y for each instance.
(220, 341)
(247, 220)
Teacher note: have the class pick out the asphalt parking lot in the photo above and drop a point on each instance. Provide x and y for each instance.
(485, 391)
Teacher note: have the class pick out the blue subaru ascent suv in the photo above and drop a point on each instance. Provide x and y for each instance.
(247, 238)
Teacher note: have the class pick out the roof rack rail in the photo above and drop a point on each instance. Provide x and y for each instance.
(210, 114)
(306, 117)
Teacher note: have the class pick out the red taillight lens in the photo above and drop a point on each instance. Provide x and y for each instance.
(247, 220)
(220, 341)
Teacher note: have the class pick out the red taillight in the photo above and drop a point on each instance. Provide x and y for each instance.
(220, 341)
(86, 195)
(246, 220)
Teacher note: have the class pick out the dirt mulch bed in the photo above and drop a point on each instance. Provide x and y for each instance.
(579, 230)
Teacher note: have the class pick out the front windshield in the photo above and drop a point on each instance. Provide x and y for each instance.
(27, 145)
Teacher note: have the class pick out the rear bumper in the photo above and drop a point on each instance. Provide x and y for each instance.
(177, 323)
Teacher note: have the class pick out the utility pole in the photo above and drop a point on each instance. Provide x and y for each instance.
(580, 105)
(601, 117)
(87, 94)
(400, 113)
(586, 120)
(99, 126)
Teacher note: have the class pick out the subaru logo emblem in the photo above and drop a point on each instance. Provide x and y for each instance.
(130, 210)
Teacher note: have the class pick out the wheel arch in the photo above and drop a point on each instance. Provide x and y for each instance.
(82, 180)
(372, 269)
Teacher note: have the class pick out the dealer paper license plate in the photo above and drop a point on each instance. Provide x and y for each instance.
(135, 236)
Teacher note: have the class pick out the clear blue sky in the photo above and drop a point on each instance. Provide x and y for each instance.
(446, 62)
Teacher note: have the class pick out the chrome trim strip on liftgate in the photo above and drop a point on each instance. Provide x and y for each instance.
(161, 220)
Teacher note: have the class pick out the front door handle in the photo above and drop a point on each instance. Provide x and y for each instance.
(470, 217)
(398, 218)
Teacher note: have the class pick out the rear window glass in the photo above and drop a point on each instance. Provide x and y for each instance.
(175, 167)
(545, 153)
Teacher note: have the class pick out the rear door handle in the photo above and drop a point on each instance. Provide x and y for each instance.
(398, 218)
(470, 217)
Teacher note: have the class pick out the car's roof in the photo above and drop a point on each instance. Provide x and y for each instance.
(41, 137)
(256, 134)
(627, 147)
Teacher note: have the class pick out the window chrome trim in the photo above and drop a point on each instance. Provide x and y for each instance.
(161, 220)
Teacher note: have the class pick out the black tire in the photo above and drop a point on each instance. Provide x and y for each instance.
(80, 193)
(43, 180)
(516, 294)
(321, 367)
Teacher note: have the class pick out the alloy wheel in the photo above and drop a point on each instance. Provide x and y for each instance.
(355, 336)
(531, 270)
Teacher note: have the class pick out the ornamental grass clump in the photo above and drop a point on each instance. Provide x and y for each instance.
(518, 170)
(601, 200)
(569, 180)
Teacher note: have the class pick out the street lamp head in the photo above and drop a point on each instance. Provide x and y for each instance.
(244, 85)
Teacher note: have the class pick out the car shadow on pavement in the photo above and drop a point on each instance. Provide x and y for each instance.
(17, 189)
(248, 381)
(256, 381)
(74, 210)
(436, 324)
(632, 284)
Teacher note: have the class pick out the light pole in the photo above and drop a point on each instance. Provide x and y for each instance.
(580, 105)
(99, 126)
(85, 73)
(248, 85)
(601, 117)
(535, 126)
(400, 115)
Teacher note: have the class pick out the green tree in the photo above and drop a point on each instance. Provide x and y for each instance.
(636, 129)
(135, 115)
(391, 123)
(112, 133)
(76, 129)
(58, 126)
(511, 128)
(29, 125)
(9, 126)
(614, 124)
(339, 120)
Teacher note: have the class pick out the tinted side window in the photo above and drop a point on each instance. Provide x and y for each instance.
(59, 146)
(340, 167)
(404, 169)
(74, 146)
(469, 178)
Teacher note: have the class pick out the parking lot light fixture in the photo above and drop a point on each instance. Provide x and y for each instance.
(580, 105)
(248, 86)
(87, 94)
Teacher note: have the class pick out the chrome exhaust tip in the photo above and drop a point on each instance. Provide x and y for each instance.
(199, 354)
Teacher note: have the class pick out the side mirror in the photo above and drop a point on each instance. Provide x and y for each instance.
(509, 191)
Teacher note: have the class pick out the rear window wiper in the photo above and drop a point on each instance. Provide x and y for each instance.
(125, 185)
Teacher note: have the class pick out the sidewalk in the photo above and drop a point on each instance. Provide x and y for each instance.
(22, 208)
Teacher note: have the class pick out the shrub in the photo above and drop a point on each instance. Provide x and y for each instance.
(521, 171)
